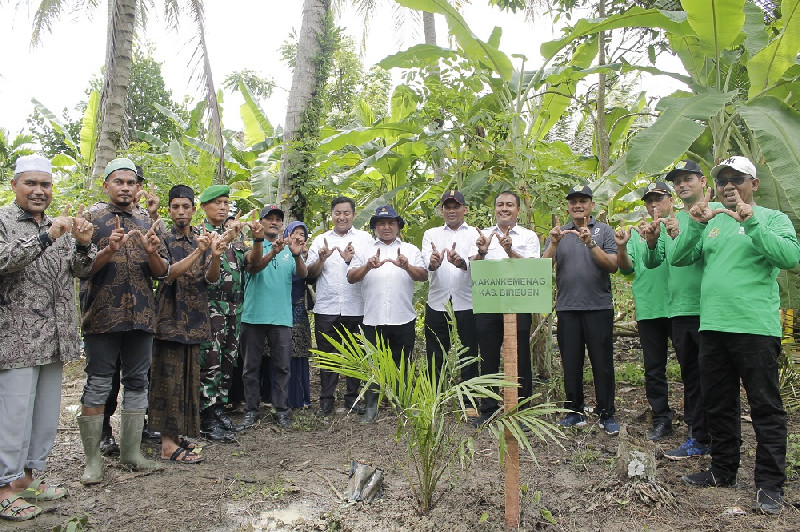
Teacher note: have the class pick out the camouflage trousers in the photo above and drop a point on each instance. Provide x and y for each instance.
(218, 359)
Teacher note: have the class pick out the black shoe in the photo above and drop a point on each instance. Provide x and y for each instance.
(224, 420)
(660, 430)
(707, 479)
(767, 501)
(283, 421)
(479, 421)
(325, 408)
(249, 419)
(151, 435)
(211, 429)
(108, 445)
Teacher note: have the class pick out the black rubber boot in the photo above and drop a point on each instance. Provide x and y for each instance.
(211, 428)
(224, 420)
(371, 407)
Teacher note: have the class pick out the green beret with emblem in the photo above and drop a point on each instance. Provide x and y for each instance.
(213, 192)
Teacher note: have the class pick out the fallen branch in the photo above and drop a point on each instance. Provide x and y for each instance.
(335, 491)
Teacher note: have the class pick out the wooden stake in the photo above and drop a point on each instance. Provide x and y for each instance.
(510, 400)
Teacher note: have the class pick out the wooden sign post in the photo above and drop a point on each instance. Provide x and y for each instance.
(511, 287)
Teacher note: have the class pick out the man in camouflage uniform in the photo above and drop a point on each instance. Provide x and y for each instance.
(220, 357)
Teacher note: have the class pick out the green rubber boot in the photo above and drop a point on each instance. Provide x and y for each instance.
(130, 441)
(91, 428)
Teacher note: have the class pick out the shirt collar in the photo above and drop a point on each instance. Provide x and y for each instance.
(571, 224)
(496, 229)
(25, 215)
(463, 226)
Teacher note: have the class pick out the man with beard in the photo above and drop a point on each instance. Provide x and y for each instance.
(505, 240)
(339, 305)
(267, 314)
(119, 317)
(39, 258)
(443, 250)
(387, 271)
(742, 247)
(585, 257)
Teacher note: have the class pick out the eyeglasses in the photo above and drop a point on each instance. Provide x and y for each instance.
(735, 181)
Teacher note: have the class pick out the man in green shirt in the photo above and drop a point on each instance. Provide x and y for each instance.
(742, 247)
(652, 309)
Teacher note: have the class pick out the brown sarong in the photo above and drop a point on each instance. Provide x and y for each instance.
(174, 389)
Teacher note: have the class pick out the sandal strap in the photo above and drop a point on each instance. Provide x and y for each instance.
(7, 507)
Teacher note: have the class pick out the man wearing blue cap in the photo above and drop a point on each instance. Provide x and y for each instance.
(39, 258)
(119, 316)
(267, 314)
(387, 271)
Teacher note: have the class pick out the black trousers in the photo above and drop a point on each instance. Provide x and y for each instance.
(686, 340)
(590, 330)
(437, 338)
(400, 338)
(255, 337)
(490, 340)
(654, 335)
(725, 359)
(332, 325)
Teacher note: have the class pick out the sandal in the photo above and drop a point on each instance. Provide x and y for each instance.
(35, 493)
(11, 511)
(184, 456)
(186, 443)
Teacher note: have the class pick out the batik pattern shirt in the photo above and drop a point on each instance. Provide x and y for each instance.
(119, 297)
(182, 305)
(38, 314)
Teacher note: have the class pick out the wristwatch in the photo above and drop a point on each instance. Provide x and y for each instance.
(592, 245)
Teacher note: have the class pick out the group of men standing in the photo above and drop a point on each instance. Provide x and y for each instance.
(219, 300)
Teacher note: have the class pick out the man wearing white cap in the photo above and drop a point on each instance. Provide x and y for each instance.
(39, 256)
(740, 330)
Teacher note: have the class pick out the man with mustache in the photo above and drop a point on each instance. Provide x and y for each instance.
(585, 257)
(267, 314)
(743, 247)
(119, 316)
(39, 258)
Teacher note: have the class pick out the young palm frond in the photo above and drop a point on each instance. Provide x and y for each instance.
(431, 407)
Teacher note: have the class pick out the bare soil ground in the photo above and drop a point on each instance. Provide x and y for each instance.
(292, 480)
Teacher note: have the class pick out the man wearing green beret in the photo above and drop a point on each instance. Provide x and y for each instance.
(219, 358)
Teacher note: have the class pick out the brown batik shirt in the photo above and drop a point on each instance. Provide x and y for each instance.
(38, 315)
(119, 297)
(182, 305)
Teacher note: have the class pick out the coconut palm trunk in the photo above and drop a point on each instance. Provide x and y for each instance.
(116, 76)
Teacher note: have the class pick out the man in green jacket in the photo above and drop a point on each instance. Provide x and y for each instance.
(743, 247)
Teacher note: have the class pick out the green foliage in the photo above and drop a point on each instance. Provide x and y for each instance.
(76, 523)
(630, 372)
(793, 457)
(145, 89)
(10, 151)
(431, 408)
(259, 86)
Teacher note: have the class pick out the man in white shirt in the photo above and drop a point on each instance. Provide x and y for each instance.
(339, 305)
(387, 271)
(506, 240)
(444, 251)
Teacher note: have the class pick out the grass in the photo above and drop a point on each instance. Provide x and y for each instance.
(241, 490)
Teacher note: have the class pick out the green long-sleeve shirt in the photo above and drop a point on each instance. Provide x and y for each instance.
(739, 292)
(650, 285)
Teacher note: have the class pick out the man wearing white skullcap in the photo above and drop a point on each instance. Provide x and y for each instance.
(39, 256)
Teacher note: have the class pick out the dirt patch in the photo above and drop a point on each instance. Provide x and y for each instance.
(292, 480)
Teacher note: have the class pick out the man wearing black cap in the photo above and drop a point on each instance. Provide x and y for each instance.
(684, 308)
(652, 308)
(585, 257)
(387, 272)
(505, 240)
(444, 251)
(267, 314)
(182, 325)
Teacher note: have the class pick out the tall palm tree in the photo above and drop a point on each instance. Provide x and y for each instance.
(125, 18)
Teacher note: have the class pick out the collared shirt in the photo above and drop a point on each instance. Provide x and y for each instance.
(388, 290)
(226, 297)
(119, 297)
(523, 241)
(38, 315)
(449, 282)
(268, 293)
(182, 305)
(335, 295)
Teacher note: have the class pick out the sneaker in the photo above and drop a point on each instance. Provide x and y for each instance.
(707, 479)
(660, 430)
(690, 448)
(767, 502)
(609, 425)
(573, 419)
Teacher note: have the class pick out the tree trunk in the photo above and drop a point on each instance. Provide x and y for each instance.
(304, 87)
(603, 148)
(429, 27)
(119, 57)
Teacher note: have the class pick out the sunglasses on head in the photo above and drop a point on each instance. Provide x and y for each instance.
(735, 180)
